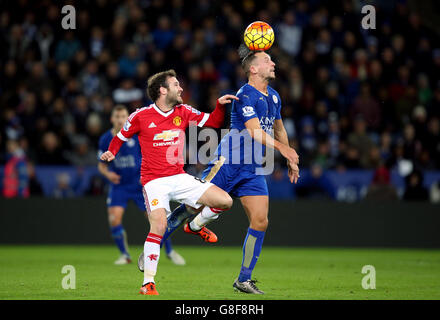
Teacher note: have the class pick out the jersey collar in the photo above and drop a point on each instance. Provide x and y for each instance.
(264, 94)
(165, 114)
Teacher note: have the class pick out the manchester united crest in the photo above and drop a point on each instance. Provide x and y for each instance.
(177, 121)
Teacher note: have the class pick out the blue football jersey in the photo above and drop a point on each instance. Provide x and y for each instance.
(237, 146)
(127, 162)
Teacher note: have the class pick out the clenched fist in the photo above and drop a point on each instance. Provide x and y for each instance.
(107, 156)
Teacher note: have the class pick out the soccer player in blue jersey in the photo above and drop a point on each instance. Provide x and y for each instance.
(124, 176)
(253, 118)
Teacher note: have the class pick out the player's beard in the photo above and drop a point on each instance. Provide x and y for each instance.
(270, 75)
(173, 100)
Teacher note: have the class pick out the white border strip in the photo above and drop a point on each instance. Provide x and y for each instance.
(120, 136)
(204, 119)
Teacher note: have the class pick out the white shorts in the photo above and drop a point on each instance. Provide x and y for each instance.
(182, 188)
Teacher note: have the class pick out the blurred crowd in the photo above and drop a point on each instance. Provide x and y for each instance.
(352, 98)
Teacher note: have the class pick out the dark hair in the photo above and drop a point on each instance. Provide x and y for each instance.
(156, 81)
(246, 56)
(119, 107)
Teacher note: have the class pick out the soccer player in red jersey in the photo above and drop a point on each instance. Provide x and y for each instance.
(161, 131)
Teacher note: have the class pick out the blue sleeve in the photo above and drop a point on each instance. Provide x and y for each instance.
(103, 145)
(245, 108)
(278, 114)
(23, 177)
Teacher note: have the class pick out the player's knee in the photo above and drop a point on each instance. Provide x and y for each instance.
(260, 223)
(114, 219)
(159, 227)
(158, 223)
(226, 202)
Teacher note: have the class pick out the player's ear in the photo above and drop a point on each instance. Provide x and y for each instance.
(253, 69)
(163, 90)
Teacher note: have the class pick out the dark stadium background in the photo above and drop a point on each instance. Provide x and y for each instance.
(361, 107)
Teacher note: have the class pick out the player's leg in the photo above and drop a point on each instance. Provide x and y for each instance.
(219, 175)
(158, 222)
(206, 216)
(213, 197)
(116, 204)
(157, 202)
(256, 208)
(174, 256)
(196, 193)
(216, 173)
(176, 219)
(115, 214)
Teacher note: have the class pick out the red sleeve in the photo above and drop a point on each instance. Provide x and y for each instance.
(131, 127)
(202, 119)
(115, 145)
(217, 117)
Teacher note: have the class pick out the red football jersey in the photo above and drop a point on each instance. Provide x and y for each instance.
(161, 137)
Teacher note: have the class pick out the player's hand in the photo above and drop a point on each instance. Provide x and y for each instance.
(290, 154)
(113, 177)
(227, 98)
(293, 172)
(107, 156)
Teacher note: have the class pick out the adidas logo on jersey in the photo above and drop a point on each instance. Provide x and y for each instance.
(152, 125)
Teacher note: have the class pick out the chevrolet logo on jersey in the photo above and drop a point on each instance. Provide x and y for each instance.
(167, 135)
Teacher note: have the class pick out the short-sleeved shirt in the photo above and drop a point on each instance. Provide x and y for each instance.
(161, 138)
(238, 145)
(127, 162)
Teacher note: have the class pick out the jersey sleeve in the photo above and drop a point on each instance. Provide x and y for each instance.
(245, 108)
(102, 146)
(131, 127)
(195, 116)
(278, 113)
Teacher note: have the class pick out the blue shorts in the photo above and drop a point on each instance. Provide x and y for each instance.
(239, 180)
(119, 195)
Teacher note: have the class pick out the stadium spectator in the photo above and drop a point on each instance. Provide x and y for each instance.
(67, 48)
(51, 79)
(63, 188)
(50, 151)
(415, 191)
(127, 93)
(16, 178)
(290, 34)
(35, 188)
(359, 140)
(315, 184)
(279, 185)
(82, 154)
(381, 188)
(366, 106)
(128, 62)
(91, 82)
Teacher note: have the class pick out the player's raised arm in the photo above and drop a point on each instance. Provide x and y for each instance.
(131, 127)
(216, 118)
